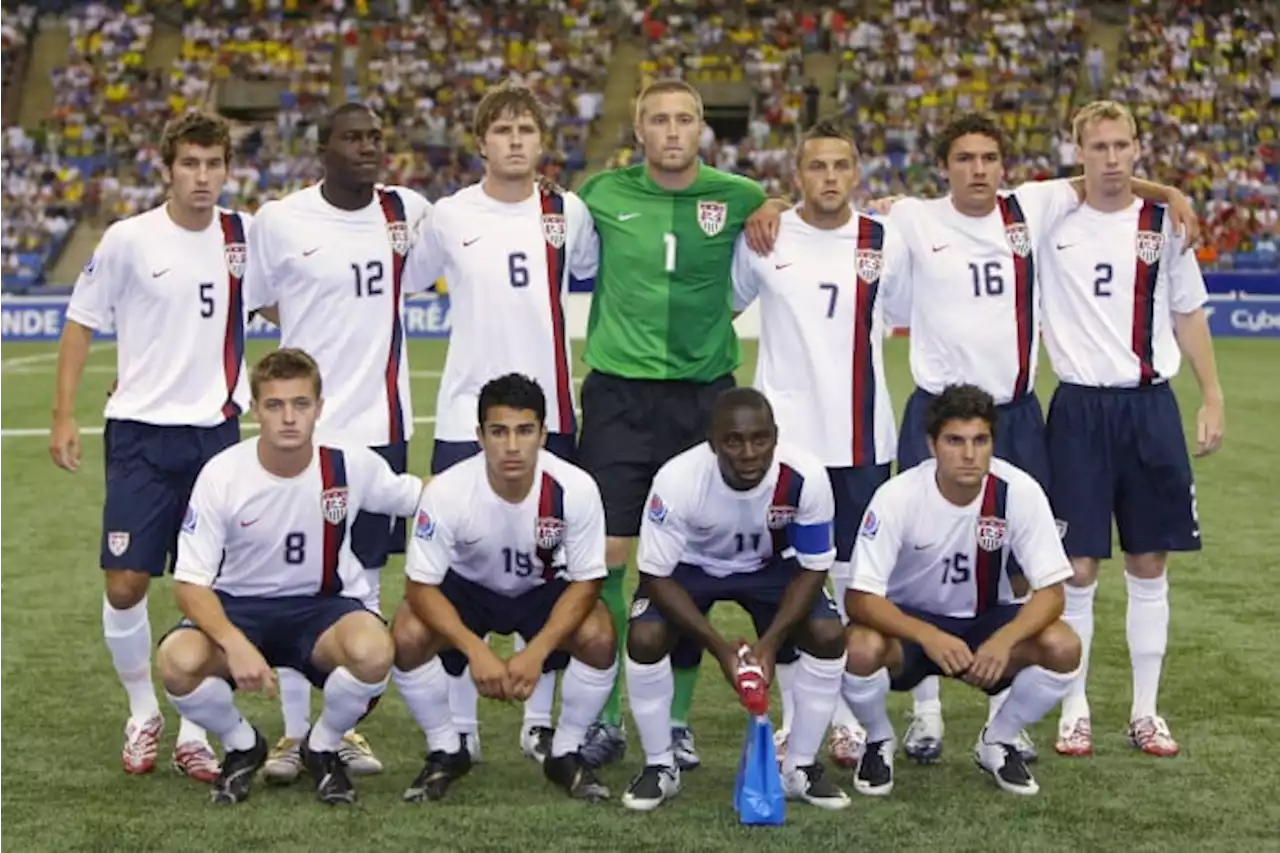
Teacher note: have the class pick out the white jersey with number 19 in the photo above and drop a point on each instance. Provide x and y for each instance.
(174, 300)
(336, 277)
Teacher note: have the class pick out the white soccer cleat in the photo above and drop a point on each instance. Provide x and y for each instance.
(1075, 738)
(357, 755)
(923, 740)
(653, 786)
(1152, 736)
(196, 760)
(535, 742)
(810, 785)
(874, 776)
(284, 763)
(1006, 766)
(141, 744)
(845, 745)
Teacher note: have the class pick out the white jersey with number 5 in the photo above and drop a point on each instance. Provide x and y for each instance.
(173, 298)
(248, 532)
(336, 277)
(920, 550)
(974, 308)
(694, 517)
(1112, 283)
(824, 294)
(505, 266)
(508, 548)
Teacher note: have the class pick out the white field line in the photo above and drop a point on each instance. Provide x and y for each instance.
(43, 357)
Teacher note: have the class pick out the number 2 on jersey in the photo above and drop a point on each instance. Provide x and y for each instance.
(1102, 284)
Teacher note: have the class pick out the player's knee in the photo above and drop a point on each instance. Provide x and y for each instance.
(646, 641)
(183, 660)
(1145, 566)
(866, 650)
(826, 639)
(1060, 648)
(410, 639)
(125, 588)
(594, 642)
(1084, 571)
(370, 653)
(616, 550)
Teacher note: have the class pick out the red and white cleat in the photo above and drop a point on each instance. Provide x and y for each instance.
(196, 760)
(1152, 736)
(780, 744)
(140, 745)
(1075, 738)
(845, 745)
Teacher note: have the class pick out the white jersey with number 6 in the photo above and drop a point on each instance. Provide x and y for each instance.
(248, 532)
(920, 550)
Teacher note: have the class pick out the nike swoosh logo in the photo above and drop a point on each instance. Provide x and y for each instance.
(781, 266)
(1062, 246)
(623, 217)
(250, 523)
(466, 243)
(309, 252)
(160, 273)
(468, 541)
(923, 547)
(940, 248)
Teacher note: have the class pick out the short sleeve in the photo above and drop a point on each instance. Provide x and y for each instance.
(812, 534)
(584, 255)
(202, 536)
(662, 530)
(584, 540)
(1187, 290)
(94, 298)
(1034, 536)
(260, 278)
(1045, 204)
(746, 285)
(385, 492)
(895, 277)
(431, 547)
(875, 551)
(427, 257)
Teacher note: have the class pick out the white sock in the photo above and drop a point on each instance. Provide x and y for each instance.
(868, 698)
(840, 575)
(582, 698)
(373, 600)
(189, 732)
(785, 673)
(1034, 692)
(426, 692)
(817, 692)
(346, 700)
(128, 636)
(925, 696)
(537, 708)
(1146, 627)
(462, 700)
(295, 702)
(996, 702)
(844, 716)
(213, 706)
(650, 689)
(1078, 613)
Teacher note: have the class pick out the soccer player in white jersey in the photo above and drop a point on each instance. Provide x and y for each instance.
(970, 270)
(507, 542)
(931, 593)
(740, 518)
(168, 281)
(506, 247)
(1121, 297)
(266, 578)
(327, 266)
(823, 299)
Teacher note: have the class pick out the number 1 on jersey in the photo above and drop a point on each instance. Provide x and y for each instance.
(669, 240)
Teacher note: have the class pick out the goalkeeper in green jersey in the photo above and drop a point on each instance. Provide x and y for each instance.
(660, 343)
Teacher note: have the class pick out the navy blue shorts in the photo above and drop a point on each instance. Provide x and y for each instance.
(484, 611)
(759, 593)
(1121, 451)
(853, 488)
(446, 454)
(285, 630)
(374, 537)
(917, 666)
(1020, 435)
(150, 473)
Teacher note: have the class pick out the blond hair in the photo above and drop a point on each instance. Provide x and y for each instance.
(1091, 114)
(662, 87)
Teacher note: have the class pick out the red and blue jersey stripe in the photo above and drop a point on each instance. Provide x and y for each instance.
(557, 269)
(550, 511)
(333, 480)
(1024, 281)
(870, 238)
(1150, 219)
(786, 493)
(393, 210)
(233, 239)
(988, 565)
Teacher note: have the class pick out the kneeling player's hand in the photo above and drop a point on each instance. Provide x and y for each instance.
(523, 671)
(949, 652)
(490, 674)
(249, 669)
(765, 655)
(989, 663)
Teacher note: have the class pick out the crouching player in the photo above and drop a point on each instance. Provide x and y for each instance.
(720, 525)
(507, 542)
(930, 592)
(265, 578)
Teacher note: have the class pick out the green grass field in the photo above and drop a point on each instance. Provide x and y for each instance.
(64, 710)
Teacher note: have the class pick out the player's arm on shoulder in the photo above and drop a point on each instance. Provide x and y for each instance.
(1046, 203)
(427, 257)
(1188, 296)
(1186, 222)
(763, 224)
(746, 282)
(895, 276)
(261, 292)
(584, 257)
(385, 491)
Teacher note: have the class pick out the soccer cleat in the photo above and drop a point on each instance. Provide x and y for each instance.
(238, 767)
(1006, 766)
(329, 772)
(604, 744)
(655, 784)
(1075, 738)
(874, 776)
(682, 745)
(809, 784)
(846, 744)
(471, 742)
(140, 745)
(357, 754)
(195, 760)
(535, 742)
(1026, 747)
(572, 774)
(284, 763)
(780, 744)
(441, 770)
(923, 741)
(1152, 736)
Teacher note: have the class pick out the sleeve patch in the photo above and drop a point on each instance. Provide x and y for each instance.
(657, 510)
(190, 520)
(91, 266)
(424, 527)
(870, 526)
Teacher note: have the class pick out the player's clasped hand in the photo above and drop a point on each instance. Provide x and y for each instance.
(490, 674)
(949, 652)
(765, 655)
(989, 663)
(249, 669)
(523, 671)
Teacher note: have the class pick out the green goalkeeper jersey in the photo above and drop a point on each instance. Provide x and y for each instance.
(663, 302)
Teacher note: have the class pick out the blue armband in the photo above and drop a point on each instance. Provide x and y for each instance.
(811, 539)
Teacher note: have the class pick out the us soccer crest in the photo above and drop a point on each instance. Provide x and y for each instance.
(554, 229)
(1149, 246)
(117, 543)
(548, 533)
(334, 504)
(712, 216)
(779, 517)
(236, 254)
(398, 235)
(868, 263)
(991, 533)
(1019, 239)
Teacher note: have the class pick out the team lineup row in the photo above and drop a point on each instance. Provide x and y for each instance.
(675, 248)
